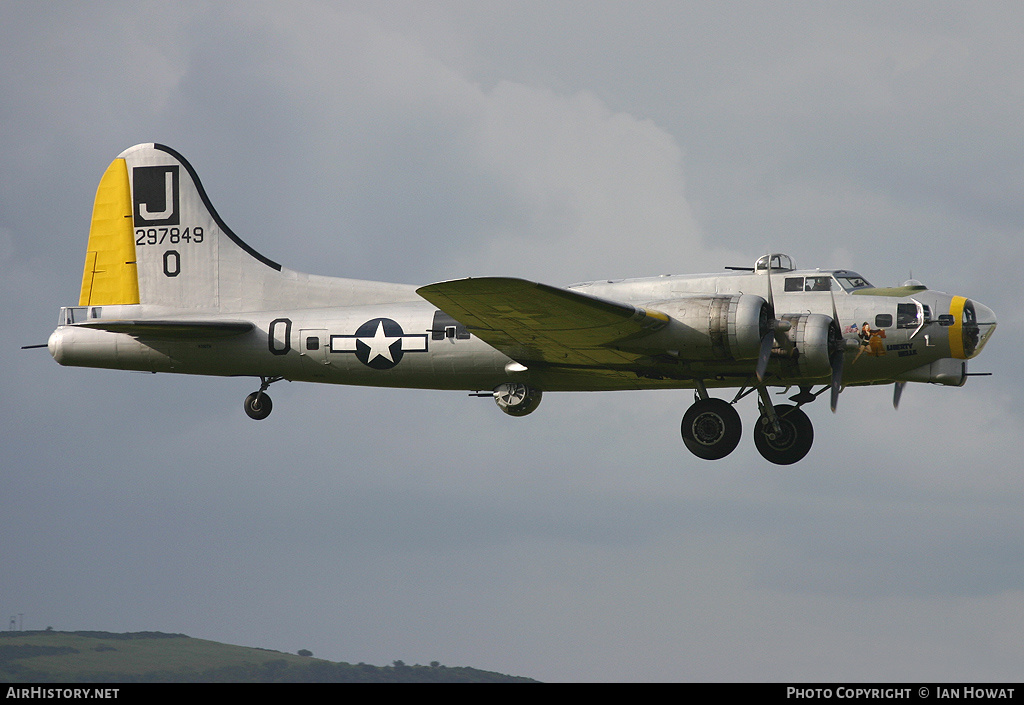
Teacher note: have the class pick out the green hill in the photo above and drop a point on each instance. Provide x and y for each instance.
(148, 657)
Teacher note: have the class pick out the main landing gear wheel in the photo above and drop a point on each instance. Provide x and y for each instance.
(258, 405)
(792, 443)
(711, 428)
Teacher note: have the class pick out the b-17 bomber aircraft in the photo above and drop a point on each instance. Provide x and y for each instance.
(168, 287)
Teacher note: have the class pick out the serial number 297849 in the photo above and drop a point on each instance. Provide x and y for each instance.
(175, 236)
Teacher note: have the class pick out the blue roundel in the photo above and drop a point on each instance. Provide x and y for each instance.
(379, 343)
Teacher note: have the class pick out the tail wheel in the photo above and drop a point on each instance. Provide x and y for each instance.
(711, 428)
(792, 443)
(258, 405)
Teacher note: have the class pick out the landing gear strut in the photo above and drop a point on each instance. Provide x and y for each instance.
(783, 434)
(790, 442)
(258, 405)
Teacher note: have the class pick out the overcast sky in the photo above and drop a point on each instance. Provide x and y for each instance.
(558, 141)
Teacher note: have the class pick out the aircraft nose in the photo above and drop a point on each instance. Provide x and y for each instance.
(986, 324)
(970, 327)
(986, 316)
(973, 324)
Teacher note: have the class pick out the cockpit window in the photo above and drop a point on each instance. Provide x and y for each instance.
(849, 282)
(821, 283)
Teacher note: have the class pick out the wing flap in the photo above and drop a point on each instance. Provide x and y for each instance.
(533, 322)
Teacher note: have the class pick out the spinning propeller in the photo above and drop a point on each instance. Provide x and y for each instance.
(776, 327)
(897, 392)
(836, 354)
(773, 328)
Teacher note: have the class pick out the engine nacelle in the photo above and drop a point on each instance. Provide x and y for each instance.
(808, 345)
(716, 327)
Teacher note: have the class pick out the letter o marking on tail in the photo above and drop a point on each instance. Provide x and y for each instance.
(280, 337)
(172, 263)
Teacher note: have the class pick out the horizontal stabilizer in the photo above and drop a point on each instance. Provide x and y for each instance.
(533, 322)
(174, 330)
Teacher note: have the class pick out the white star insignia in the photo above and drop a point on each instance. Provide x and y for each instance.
(380, 344)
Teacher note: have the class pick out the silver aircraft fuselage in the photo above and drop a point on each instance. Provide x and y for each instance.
(168, 287)
(413, 344)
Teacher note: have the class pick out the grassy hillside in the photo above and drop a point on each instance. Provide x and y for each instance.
(104, 657)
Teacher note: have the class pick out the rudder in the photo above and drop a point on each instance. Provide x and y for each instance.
(110, 275)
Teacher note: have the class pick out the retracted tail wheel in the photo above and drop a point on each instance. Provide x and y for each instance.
(258, 405)
(789, 446)
(711, 428)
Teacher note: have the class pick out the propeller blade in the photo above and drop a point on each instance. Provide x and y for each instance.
(837, 377)
(835, 313)
(768, 339)
(764, 353)
(837, 356)
(897, 392)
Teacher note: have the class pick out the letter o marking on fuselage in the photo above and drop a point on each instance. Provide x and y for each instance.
(172, 263)
(280, 336)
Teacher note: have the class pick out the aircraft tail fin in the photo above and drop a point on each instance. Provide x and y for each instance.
(156, 239)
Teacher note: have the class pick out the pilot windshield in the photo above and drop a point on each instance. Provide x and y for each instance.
(852, 281)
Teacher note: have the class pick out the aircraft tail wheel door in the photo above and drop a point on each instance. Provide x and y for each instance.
(313, 351)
